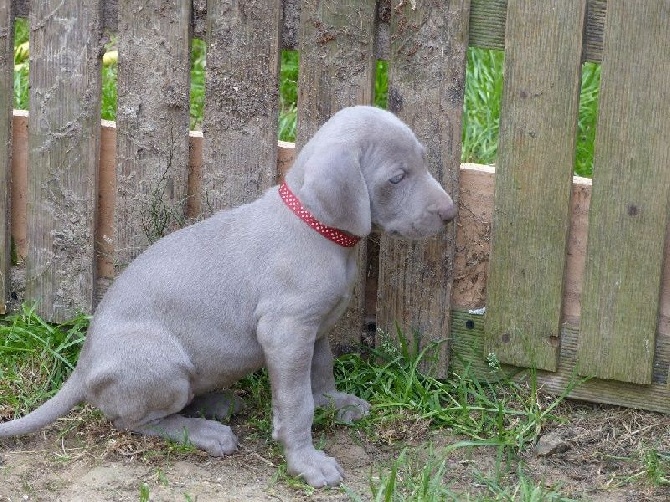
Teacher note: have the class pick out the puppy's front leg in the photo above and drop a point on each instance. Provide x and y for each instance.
(288, 348)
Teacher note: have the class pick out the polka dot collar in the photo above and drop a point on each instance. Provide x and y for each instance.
(338, 236)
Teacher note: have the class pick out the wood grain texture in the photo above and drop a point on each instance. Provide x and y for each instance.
(473, 235)
(426, 82)
(337, 69)
(64, 129)
(629, 204)
(152, 123)
(488, 17)
(241, 104)
(538, 130)
(487, 23)
(595, 25)
(6, 103)
(337, 65)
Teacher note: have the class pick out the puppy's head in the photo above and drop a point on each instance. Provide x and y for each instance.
(365, 168)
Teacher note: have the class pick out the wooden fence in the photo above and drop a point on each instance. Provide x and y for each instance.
(572, 274)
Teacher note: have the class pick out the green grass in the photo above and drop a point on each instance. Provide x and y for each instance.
(481, 108)
(198, 48)
(420, 477)
(500, 416)
(588, 118)
(288, 95)
(412, 478)
(21, 65)
(35, 358)
(504, 414)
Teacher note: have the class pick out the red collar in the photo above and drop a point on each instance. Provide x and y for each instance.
(338, 236)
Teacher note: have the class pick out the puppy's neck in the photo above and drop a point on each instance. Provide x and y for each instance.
(336, 235)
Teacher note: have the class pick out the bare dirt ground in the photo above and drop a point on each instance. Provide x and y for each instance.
(594, 453)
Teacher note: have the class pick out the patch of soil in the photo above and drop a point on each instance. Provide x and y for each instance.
(595, 453)
(606, 453)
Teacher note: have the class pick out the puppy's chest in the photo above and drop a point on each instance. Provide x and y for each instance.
(342, 300)
(336, 313)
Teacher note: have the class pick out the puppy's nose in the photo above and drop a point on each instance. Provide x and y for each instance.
(445, 209)
(449, 213)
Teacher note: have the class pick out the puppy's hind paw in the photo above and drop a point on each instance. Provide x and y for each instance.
(214, 437)
(355, 409)
(349, 407)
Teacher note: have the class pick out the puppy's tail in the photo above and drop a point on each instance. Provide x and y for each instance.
(67, 398)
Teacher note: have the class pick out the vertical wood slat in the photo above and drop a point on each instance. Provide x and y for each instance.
(487, 26)
(487, 23)
(337, 69)
(429, 41)
(533, 181)
(152, 122)
(593, 33)
(337, 65)
(241, 103)
(6, 104)
(629, 204)
(64, 127)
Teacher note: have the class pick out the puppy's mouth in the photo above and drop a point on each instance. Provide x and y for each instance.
(416, 233)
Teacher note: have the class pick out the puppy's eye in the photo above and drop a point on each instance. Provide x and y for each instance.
(397, 178)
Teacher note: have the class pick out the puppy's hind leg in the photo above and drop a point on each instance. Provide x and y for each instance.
(143, 393)
(209, 435)
(215, 405)
(162, 418)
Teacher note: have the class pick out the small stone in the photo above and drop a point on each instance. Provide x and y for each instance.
(551, 444)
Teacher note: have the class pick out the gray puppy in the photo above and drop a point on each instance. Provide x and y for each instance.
(258, 285)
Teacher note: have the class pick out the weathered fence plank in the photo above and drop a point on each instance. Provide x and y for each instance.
(153, 122)
(487, 23)
(536, 154)
(241, 105)
(467, 346)
(426, 82)
(596, 11)
(337, 61)
(6, 103)
(468, 328)
(64, 141)
(631, 186)
(337, 69)
(487, 26)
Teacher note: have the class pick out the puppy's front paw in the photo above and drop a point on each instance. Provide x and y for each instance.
(315, 467)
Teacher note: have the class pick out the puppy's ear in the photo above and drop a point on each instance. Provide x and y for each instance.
(335, 191)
